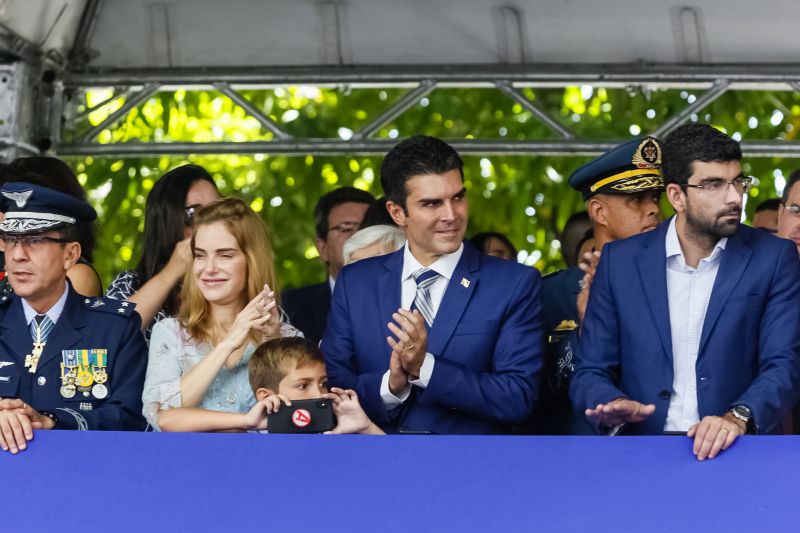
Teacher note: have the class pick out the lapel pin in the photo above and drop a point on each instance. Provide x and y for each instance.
(465, 283)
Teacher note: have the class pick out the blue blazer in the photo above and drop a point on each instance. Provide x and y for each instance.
(487, 340)
(750, 343)
(85, 323)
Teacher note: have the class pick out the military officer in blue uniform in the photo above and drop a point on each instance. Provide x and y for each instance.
(66, 361)
(622, 190)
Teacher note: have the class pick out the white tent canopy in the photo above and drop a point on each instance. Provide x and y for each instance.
(140, 47)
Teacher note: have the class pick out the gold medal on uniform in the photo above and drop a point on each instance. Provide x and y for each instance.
(67, 383)
(99, 361)
(69, 373)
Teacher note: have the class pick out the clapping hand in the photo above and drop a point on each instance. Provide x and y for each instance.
(411, 343)
(260, 314)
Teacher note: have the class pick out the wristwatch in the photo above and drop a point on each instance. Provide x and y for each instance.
(743, 413)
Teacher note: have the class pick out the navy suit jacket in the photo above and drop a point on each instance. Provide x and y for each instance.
(487, 340)
(307, 308)
(85, 323)
(750, 343)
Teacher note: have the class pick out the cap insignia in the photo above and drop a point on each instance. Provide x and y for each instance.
(19, 198)
(647, 155)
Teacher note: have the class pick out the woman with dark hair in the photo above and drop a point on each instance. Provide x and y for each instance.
(154, 285)
(494, 243)
(55, 174)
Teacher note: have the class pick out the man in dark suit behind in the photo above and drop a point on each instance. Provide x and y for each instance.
(693, 327)
(337, 216)
(436, 337)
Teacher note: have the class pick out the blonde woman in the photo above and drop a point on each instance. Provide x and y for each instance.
(198, 360)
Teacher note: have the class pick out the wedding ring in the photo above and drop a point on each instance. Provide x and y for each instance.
(410, 347)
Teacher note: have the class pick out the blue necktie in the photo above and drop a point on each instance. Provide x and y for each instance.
(41, 327)
(425, 278)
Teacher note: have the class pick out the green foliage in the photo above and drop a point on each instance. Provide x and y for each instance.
(526, 197)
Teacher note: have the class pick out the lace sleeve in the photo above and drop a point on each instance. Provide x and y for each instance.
(124, 285)
(162, 385)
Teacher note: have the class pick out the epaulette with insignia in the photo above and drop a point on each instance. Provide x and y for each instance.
(109, 305)
(4, 299)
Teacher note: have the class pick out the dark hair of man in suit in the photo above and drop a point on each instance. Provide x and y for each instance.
(416, 156)
(695, 142)
(329, 200)
(794, 177)
(770, 204)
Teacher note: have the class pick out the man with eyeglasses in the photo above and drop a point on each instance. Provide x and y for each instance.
(337, 216)
(692, 328)
(789, 211)
(66, 361)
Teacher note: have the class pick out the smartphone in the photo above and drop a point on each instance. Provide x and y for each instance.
(303, 416)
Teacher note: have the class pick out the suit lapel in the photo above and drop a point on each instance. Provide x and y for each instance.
(652, 267)
(12, 329)
(455, 300)
(389, 288)
(734, 261)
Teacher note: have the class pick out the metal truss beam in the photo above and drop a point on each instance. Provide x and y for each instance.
(80, 54)
(248, 106)
(401, 106)
(537, 111)
(747, 75)
(381, 146)
(134, 100)
(718, 89)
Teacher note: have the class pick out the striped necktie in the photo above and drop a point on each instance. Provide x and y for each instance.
(41, 327)
(425, 278)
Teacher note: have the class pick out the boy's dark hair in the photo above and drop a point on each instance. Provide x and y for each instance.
(416, 156)
(275, 358)
(329, 200)
(695, 142)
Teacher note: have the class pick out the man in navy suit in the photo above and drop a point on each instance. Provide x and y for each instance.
(436, 337)
(337, 216)
(66, 361)
(693, 327)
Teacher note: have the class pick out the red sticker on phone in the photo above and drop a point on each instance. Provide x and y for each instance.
(301, 418)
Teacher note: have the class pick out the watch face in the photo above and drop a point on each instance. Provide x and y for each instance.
(742, 411)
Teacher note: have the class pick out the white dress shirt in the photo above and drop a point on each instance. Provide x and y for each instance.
(444, 266)
(688, 291)
(53, 313)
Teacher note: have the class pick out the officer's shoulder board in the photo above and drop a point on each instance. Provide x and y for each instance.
(5, 299)
(109, 305)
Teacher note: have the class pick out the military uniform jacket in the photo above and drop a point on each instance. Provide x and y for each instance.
(85, 324)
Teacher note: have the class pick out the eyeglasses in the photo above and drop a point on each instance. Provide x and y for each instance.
(793, 210)
(29, 242)
(191, 211)
(742, 184)
(345, 227)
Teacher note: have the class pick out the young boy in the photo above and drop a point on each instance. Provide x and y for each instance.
(280, 370)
